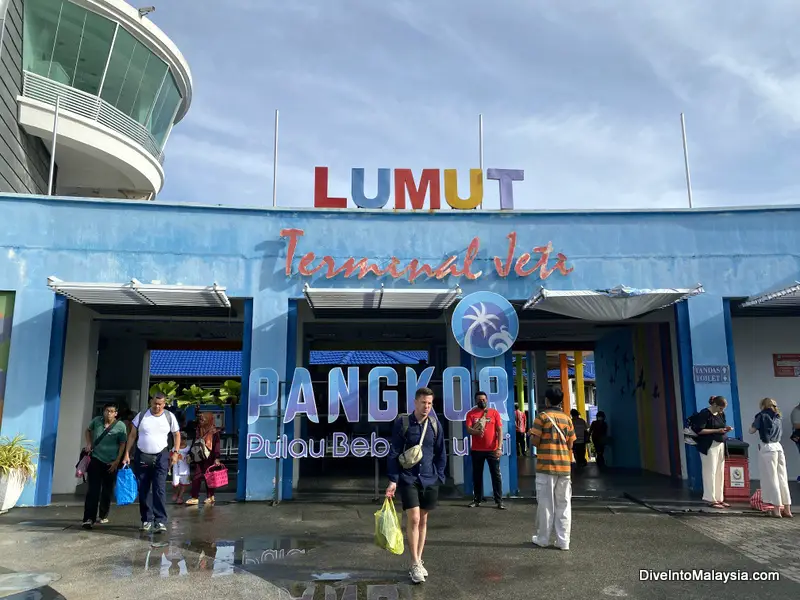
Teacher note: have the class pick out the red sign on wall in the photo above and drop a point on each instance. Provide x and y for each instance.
(786, 365)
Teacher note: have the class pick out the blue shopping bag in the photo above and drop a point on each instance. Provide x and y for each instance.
(127, 486)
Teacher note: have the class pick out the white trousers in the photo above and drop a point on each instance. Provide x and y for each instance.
(554, 509)
(774, 481)
(713, 472)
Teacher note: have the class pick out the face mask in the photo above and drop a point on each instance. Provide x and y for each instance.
(481, 404)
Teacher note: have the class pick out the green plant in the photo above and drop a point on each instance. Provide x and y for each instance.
(230, 391)
(16, 454)
(196, 395)
(168, 388)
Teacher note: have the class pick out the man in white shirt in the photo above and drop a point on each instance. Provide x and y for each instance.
(151, 460)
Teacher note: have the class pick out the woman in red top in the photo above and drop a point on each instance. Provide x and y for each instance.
(209, 435)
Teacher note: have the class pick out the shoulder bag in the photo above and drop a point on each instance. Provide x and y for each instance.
(413, 455)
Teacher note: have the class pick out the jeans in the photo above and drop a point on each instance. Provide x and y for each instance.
(478, 460)
(152, 487)
(101, 487)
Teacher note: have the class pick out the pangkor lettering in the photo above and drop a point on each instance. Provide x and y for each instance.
(383, 406)
(535, 262)
(342, 446)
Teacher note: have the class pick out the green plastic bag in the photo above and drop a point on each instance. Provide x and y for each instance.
(388, 532)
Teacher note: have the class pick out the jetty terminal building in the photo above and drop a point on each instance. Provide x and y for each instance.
(675, 306)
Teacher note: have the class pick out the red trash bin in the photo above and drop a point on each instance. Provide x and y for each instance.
(737, 472)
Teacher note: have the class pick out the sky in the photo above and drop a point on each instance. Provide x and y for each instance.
(585, 97)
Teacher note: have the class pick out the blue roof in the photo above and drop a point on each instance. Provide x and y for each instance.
(367, 357)
(196, 363)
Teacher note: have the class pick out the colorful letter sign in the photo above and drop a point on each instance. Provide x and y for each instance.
(429, 185)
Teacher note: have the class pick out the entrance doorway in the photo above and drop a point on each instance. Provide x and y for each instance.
(626, 369)
(329, 338)
(117, 350)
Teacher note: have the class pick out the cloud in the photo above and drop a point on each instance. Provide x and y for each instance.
(585, 97)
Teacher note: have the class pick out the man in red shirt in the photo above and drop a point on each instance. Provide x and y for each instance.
(486, 445)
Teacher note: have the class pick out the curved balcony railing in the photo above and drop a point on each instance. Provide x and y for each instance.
(91, 107)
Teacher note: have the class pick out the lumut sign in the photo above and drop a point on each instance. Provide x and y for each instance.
(430, 186)
(343, 397)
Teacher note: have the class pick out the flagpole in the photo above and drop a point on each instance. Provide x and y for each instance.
(686, 160)
(480, 146)
(53, 148)
(275, 164)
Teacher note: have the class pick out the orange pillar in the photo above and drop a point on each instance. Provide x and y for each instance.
(565, 381)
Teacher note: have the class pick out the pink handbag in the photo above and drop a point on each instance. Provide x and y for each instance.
(216, 476)
(83, 467)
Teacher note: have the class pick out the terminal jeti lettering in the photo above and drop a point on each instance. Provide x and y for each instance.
(429, 184)
(415, 267)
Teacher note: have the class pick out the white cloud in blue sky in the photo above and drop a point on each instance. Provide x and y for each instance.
(585, 96)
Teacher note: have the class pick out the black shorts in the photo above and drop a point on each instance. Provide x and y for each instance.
(415, 495)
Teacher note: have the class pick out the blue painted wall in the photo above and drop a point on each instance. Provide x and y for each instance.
(615, 381)
(732, 253)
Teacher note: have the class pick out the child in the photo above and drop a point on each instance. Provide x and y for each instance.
(180, 470)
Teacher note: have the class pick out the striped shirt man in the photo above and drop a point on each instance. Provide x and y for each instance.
(553, 453)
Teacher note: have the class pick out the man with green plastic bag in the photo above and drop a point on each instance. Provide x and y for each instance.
(416, 465)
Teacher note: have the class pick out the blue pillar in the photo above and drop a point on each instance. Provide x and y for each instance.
(52, 401)
(508, 464)
(703, 340)
(287, 471)
(244, 394)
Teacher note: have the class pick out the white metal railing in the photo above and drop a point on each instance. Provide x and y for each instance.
(91, 107)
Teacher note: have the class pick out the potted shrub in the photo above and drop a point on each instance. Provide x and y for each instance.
(16, 469)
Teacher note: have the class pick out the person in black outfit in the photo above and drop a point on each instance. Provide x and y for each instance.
(598, 432)
(710, 426)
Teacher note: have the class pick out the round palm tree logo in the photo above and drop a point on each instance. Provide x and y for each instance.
(485, 324)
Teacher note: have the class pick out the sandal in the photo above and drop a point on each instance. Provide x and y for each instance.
(716, 505)
(192, 501)
(209, 500)
(725, 505)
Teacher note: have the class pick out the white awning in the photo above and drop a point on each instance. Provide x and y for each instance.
(139, 294)
(616, 304)
(381, 298)
(788, 296)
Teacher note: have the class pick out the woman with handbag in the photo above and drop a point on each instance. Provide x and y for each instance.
(205, 453)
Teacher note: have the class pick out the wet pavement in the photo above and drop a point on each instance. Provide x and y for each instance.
(326, 550)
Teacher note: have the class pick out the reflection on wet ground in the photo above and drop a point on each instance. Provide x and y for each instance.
(28, 586)
(220, 557)
(269, 558)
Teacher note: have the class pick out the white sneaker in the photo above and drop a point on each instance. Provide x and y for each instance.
(423, 569)
(146, 526)
(416, 574)
(536, 543)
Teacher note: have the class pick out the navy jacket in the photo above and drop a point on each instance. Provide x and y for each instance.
(430, 470)
(769, 426)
